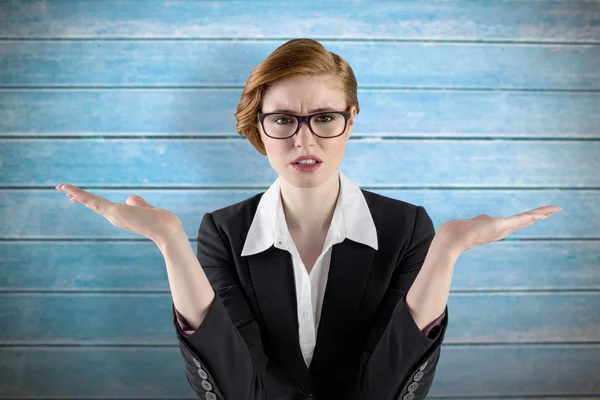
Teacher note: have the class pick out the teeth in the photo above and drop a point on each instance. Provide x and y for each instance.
(307, 162)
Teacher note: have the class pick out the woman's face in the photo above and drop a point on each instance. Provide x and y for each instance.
(301, 95)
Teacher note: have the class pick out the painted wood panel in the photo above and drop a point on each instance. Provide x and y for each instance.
(136, 319)
(466, 108)
(229, 63)
(384, 112)
(158, 372)
(370, 162)
(110, 263)
(48, 214)
(537, 21)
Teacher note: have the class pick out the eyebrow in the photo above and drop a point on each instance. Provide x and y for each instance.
(316, 110)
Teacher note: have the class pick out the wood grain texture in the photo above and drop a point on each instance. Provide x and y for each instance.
(231, 163)
(574, 21)
(48, 214)
(384, 112)
(466, 108)
(150, 372)
(107, 265)
(135, 319)
(229, 63)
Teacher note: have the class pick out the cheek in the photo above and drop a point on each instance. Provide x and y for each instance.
(277, 152)
(337, 150)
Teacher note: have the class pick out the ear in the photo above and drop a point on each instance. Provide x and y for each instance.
(351, 120)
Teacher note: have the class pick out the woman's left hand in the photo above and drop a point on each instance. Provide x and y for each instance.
(464, 234)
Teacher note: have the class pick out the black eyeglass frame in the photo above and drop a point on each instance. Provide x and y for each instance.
(305, 118)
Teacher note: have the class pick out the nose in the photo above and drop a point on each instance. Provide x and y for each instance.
(304, 137)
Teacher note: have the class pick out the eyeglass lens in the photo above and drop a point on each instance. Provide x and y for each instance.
(284, 125)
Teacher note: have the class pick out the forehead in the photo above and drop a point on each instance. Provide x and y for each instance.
(303, 93)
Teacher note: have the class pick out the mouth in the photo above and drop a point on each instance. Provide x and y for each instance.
(307, 164)
(307, 160)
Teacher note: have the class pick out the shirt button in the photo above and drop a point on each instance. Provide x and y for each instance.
(306, 315)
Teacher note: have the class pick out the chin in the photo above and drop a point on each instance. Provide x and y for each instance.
(306, 179)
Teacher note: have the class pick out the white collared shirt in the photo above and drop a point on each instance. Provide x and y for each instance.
(351, 219)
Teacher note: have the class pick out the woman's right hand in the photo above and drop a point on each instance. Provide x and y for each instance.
(137, 216)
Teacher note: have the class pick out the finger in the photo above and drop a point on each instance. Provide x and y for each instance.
(135, 200)
(525, 219)
(94, 202)
(545, 210)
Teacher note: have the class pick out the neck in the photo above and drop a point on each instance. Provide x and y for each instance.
(309, 210)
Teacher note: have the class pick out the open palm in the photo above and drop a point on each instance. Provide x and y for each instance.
(465, 234)
(137, 216)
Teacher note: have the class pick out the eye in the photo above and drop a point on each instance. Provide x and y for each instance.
(323, 118)
(278, 120)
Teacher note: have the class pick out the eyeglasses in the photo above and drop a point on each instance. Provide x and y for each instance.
(326, 125)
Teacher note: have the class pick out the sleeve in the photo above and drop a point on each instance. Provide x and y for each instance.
(431, 330)
(398, 357)
(224, 358)
(184, 328)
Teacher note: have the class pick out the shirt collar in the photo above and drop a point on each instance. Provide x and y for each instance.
(351, 219)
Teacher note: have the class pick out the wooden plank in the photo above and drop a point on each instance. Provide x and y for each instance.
(515, 370)
(229, 63)
(146, 372)
(369, 162)
(56, 217)
(134, 318)
(449, 20)
(92, 266)
(93, 372)
(149, 112)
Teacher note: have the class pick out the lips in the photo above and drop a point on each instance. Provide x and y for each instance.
(307, 157)
(302, 167)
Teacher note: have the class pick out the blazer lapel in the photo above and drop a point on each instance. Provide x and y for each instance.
(272, 277)
(349, 271)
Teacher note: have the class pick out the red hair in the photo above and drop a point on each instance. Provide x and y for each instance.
(296, 57)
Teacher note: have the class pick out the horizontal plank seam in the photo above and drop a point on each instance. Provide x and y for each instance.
(23, 38)
(119, 240)
(106, 345)
(59, 88)
(15, 136)
(161, 292)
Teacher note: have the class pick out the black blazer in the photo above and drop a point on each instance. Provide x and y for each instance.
(368, 345)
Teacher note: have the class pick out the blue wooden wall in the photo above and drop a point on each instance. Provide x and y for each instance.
(466, 108)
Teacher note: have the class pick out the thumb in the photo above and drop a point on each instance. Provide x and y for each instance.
(135, 200)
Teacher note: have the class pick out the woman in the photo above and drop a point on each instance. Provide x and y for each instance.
(251, 312)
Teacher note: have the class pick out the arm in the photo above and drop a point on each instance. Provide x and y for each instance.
(184, 327)
(398, 356)
(431, 330)
(186, 330)
(428, 295)
(223, 354)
